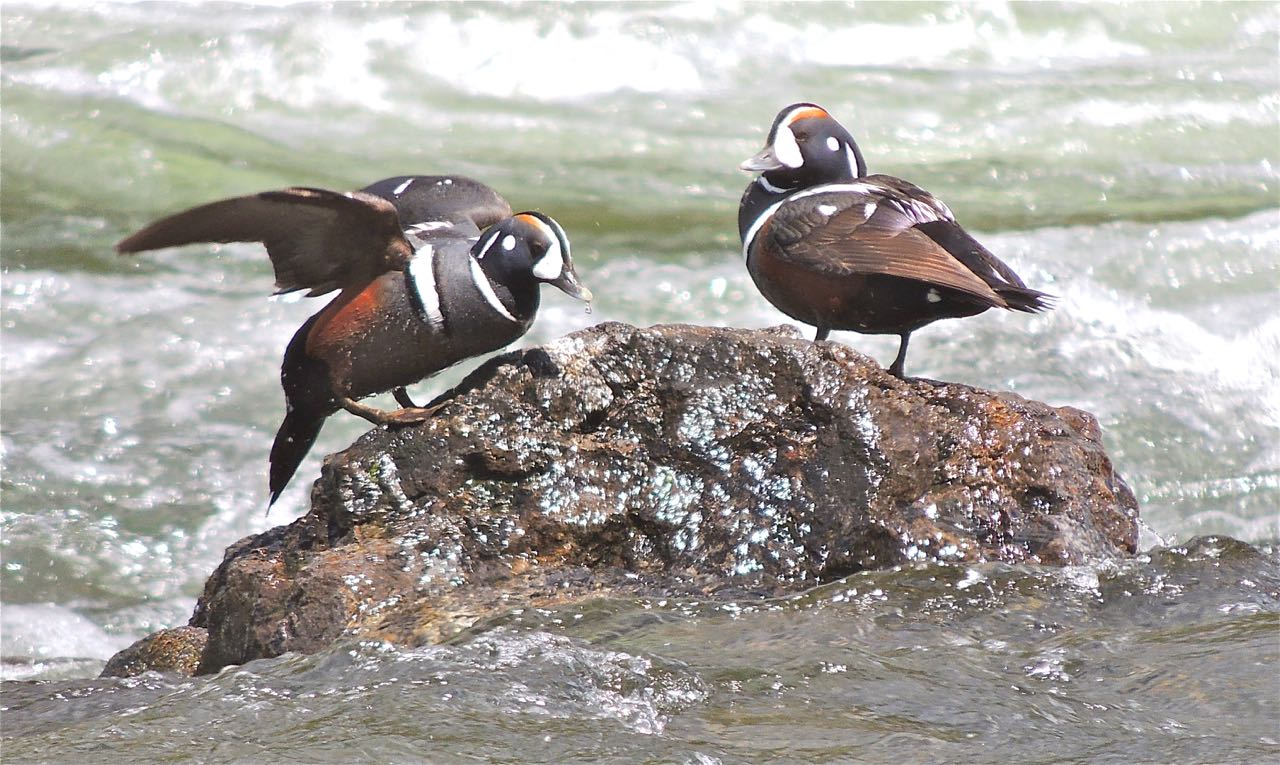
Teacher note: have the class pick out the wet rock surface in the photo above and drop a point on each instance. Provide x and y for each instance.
(672, 460)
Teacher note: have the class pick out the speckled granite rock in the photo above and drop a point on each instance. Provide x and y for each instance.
(674, 459)
(176, 650)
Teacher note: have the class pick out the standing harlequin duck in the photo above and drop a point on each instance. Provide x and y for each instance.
(834, 247)
(421, 288)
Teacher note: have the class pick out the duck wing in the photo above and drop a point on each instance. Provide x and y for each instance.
(858, 228)
(317, 239)
(442, 205)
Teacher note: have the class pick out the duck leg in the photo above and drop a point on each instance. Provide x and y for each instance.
(406, 416)
(402, 398)
(822, 334)
(900, 361)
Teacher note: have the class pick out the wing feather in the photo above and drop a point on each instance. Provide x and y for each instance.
(844, 233)
(317, 239)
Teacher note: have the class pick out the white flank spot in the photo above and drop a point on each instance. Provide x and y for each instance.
(400, 189)
(869, 210)
(786, 149)
(932, 296)
(486, 289)
(485, 249)
(833, 143)
(422, 274)
(827, 210)
(508, 243)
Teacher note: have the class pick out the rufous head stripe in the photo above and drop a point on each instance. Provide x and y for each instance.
(547, 227)
(804, 113)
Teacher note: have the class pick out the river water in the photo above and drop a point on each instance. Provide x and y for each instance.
(1122, 157)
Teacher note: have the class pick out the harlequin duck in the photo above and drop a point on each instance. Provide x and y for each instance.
(831, 246)
(420, 287)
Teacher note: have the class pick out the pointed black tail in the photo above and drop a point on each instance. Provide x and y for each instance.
(987, 267)
(1026, 299)
(294, 439)
(309, 397)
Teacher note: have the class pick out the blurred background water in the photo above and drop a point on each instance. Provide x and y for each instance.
(1120, 156)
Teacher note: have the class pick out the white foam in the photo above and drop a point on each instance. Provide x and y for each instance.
(498, 52)
(1107, 112)
(44, 632)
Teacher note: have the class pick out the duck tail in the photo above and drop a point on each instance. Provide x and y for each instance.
(294, 439)
(1025, 299)
(309, 401)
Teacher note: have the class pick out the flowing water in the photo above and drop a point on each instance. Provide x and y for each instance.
(1122, 157)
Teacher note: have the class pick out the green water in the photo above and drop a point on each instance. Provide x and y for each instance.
(1122, 157)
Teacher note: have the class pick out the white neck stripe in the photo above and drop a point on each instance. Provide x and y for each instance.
(769, 187)
(482, 283)
(852, 159)
(422, 275)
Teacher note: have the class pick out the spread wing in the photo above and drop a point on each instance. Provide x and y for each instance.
(317, 239)
(849, 232)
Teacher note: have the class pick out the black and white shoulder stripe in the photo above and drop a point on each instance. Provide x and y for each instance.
(424, 287)
(918, 208)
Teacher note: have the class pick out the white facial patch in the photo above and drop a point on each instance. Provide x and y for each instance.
(508, 243)
(551, 264)
(482, 283)
(833, 143)
(422, 275)
(785, 148)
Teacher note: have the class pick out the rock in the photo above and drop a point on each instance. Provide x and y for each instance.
(176, 650)
(674, 460)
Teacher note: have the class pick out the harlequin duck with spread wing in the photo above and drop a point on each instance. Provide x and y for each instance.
(430, 270)
(831, 246)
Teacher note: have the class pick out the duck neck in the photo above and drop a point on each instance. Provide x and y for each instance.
(756, 199)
